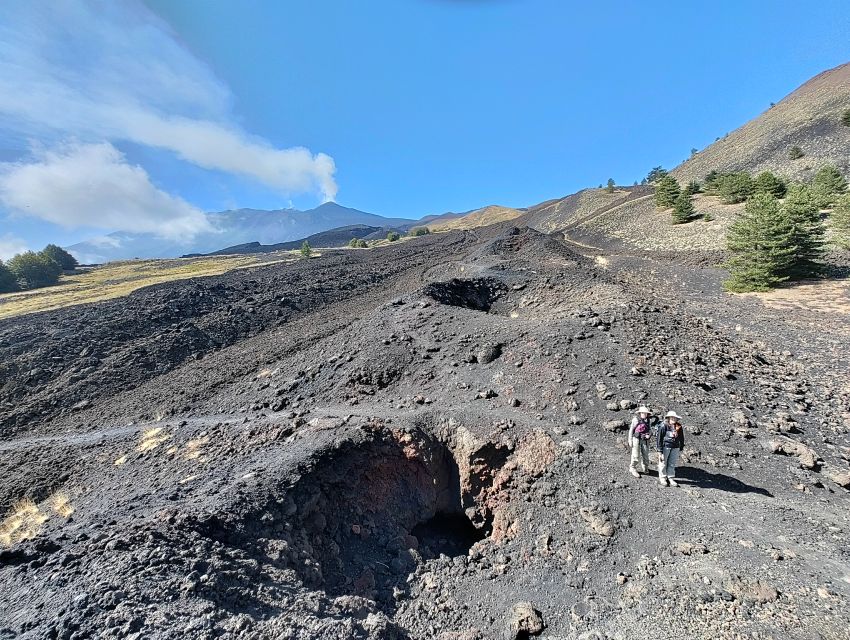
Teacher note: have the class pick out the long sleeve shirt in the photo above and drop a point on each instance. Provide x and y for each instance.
(669, 438)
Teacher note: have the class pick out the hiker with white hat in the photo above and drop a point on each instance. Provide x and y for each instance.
(670, 441)
(640, 432)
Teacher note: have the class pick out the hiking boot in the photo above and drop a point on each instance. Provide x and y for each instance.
(662, 482)
(634, 473)
(673, 483)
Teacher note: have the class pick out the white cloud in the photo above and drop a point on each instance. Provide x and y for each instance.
(93, 186)
(10, 245)
(115, 71)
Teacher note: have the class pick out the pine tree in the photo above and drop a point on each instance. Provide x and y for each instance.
(656, 174)
(767, 182)
(683, 209)
(827, 184)
(306, 250)
(840, 220)
(795, 152)
(57, 253)
(666, 192)
(610, 186)
(762, 246)
(734, 187)
(8, 281)
(809, 232)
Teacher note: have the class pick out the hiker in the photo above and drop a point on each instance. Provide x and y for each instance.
(640, 432)
(670, 441)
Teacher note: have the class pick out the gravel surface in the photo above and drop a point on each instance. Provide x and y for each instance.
(426, 441)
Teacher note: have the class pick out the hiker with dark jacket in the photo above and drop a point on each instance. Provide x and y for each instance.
(640, 433)
(670, 441)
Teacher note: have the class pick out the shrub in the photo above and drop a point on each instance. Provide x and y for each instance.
(419, 231)
(65, 259)
(795, 153)
(840, 219)
(760, 241)
(353, 243)
(809, 233)
(708, 217)
(845, 118)
(8, 281)
(734, 187)
(766, 182)
(392, 236)
(306, 250)
(710, 181)
(656, 174)
(666, 192)
(610, 186)
(33, 270)
(827, 184)
(683, 209)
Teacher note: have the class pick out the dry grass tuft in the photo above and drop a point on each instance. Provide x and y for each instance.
(23, 522)
(121, 460)
(195, 448)
(60, 502)
(152, 438)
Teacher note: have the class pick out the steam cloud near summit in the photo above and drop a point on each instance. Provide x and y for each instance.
(80, 73)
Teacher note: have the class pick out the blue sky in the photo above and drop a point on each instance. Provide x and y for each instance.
(140, 116)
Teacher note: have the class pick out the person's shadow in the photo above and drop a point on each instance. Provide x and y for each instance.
(696, 477)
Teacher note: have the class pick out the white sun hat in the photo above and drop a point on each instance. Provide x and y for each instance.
(643, 409)
(673, 414)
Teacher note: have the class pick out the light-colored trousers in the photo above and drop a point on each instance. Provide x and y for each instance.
(668, 469)
(640, 455)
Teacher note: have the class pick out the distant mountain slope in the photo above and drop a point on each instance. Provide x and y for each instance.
(477, 218)
(554, 215)
(338, 237)
(233, 228)
(810, 118)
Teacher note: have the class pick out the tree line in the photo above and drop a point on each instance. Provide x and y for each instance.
(781, 235)
(32, 270)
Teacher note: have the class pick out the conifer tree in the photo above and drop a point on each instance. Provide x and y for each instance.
(767, 182)
(808, 231)
(827, 184)
(666, 192)
(734, 187)
(656, 174)
(610, 186)
(840, 219)
(762, 246)
(306, 249)
(683, 209)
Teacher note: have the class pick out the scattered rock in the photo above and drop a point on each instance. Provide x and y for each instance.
(525, 620)
(615, 425)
